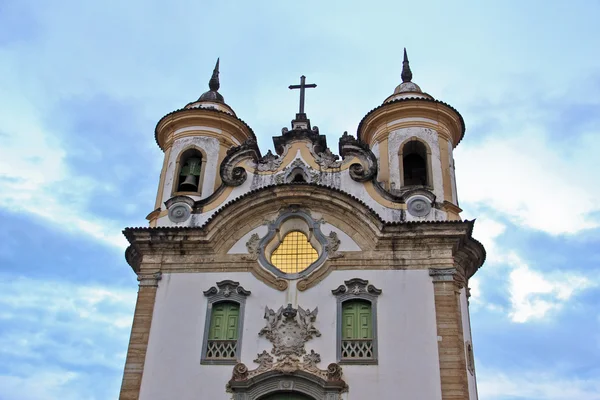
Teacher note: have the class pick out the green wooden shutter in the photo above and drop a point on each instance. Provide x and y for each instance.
(224, 321)
(356, 320)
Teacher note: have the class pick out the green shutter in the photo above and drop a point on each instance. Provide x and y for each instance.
(356, 320)
(224, 321)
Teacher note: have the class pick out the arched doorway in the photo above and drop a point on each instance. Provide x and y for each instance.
(287, 396)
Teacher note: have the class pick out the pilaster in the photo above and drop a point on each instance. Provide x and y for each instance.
(451, 347)
(140, 331)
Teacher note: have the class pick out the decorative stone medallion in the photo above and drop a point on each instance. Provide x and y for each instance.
(419, 206)
(179, 212)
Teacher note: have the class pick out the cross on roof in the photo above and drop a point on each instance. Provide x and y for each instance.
(302, 86)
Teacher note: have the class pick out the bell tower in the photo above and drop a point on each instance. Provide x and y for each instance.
(413, 136)
(304, 274)
(195, 140)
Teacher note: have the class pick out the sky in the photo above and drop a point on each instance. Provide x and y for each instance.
(82, 85)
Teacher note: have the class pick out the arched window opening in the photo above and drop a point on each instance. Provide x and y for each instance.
(223, 331)
(294, 254)
(357, 330)
(189, 171)
(298, 178)
(414, 163)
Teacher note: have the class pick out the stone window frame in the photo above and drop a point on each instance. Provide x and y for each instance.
(226, 291)
(175, 187)
(275, 235)
(356, 289)
(427, 163)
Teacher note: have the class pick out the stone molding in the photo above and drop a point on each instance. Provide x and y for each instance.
(314, 229)
(349, 146)
(442, 274)
(226, 290)
(231, 173)
(149, 279)
(356, 289)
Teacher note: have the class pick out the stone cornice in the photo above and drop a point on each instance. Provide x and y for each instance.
(168, 124)
(435, 110)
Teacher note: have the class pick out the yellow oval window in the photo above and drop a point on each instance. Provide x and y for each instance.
(294, 254)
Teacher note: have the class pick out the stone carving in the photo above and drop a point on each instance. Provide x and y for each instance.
(418, 207)
(227, 288)
(231, 173)
(333, 244)
(356, 286)
(327, 159)
(180, 208)
(349, 147)
(289, 328)
(310, 174)
(179, 213)
(253, 248)
(300, 131)
(269, 162)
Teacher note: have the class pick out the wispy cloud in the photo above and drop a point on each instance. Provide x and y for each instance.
(536, 385)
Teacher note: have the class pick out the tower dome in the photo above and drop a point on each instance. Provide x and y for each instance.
(407, 88)
(213, 85)
(212, 99)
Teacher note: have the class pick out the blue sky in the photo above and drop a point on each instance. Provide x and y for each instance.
(82, 85)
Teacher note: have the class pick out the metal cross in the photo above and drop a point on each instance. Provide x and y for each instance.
(302, 86)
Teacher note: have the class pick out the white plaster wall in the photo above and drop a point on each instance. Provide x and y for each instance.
(172, 369)
(466, 323)
(452, 176)
(430, 136)
(211, 147)
(346, 242)
(408, 350)
(375, 150)
(240, 246)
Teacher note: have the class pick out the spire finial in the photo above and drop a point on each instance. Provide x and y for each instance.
(406, 72)
(213, 84)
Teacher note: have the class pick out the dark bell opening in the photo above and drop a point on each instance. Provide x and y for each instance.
(414, 164)
(189, 175)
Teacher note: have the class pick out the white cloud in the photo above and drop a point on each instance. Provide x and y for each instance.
(532, 179)
(59, 321)
(535, 385)
(533, 294)
(34, 178)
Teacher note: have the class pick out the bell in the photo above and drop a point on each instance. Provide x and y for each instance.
(189, 184)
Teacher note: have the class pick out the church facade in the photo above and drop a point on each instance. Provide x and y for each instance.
(302, 274)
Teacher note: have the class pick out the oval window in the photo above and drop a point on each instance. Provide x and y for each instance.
(294, 254)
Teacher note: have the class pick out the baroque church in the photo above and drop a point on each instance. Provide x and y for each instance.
(300, 273)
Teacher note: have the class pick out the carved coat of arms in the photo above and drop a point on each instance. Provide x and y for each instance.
(288, 329)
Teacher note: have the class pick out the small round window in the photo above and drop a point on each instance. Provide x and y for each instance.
(294, 254)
